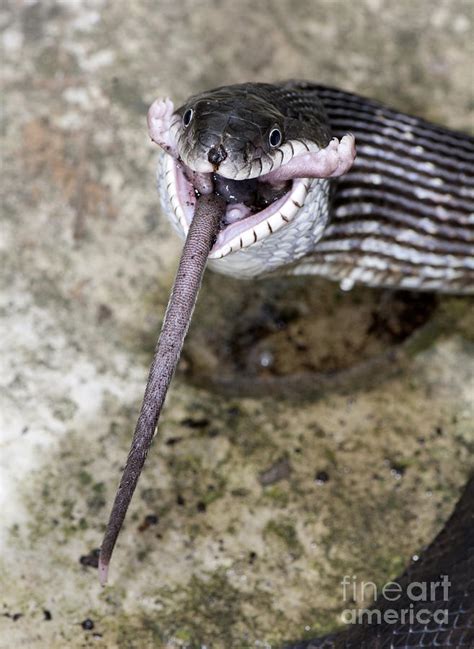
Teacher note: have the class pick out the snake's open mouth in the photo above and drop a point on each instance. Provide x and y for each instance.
(258, 203)
(255, 209)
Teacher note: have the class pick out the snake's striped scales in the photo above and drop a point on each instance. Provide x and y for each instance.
(404, 214)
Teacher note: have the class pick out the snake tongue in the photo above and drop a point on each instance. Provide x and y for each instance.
(334, 160)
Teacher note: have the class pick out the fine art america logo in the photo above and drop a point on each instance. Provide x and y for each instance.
(411, 599)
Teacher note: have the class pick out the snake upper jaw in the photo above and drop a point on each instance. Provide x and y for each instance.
(329, 162)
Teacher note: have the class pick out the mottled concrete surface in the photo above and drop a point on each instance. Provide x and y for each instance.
(222, 560)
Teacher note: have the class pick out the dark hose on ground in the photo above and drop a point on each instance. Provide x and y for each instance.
(202, 234)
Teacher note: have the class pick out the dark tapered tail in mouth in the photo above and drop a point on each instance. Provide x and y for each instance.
(200, 239)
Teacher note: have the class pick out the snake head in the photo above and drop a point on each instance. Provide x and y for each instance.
(220, 134)
(244, 131)
(258, 145)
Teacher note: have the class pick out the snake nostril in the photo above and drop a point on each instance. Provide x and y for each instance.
(216, 154)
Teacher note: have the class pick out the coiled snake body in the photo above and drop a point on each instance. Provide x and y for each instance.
(298, 200)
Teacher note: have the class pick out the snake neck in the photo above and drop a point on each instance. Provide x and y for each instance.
(403, 216)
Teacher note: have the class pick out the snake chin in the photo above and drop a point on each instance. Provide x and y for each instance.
(255, 210)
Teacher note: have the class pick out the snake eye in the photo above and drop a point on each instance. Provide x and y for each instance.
(275, 137)
(187, 117)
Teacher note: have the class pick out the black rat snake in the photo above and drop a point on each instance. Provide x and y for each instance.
(298, 199)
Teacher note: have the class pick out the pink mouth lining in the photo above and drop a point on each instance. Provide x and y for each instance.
(334, 160)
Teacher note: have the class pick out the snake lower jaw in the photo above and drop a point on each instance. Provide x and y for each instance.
(242, 227)
(255, 227)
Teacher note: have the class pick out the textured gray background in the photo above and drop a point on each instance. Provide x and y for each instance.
(87, 263)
